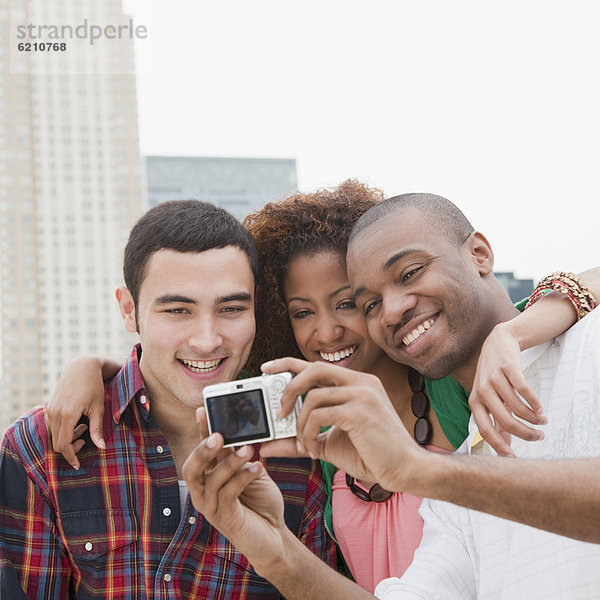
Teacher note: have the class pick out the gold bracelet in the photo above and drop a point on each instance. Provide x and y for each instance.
(571, 287)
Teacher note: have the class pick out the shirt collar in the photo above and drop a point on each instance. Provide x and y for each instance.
(128, 386)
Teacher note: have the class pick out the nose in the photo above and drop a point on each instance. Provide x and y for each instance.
(204, 336)
(328, 330)
(395, 304)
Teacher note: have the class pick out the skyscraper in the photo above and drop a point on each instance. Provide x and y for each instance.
(70, 188)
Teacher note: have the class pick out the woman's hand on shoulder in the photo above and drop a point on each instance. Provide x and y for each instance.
(500, 393)
(79, 391)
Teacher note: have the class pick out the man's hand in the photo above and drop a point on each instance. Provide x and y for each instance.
(79, 391)
(237, 497)
(500, 390)
(366, 437)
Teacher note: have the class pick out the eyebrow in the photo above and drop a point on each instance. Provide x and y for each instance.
(235, 297)
(173, 298)
(346, 286)
(389, 263)
(176, 298)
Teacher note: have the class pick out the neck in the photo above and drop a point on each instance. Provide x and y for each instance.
(393, 376)
(465, 374)
(178, 425)
(176, 420)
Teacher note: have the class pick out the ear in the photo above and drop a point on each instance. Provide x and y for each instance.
(481, 253)
(127, 308)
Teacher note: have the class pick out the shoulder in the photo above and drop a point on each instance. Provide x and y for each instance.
(587, 329)
(578, 345)
(28, 435)
(24, 449)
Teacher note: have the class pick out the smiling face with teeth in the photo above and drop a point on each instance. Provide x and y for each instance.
(326, 324)
(195, 319)
(427, 299)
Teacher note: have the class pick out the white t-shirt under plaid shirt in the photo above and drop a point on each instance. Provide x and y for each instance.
(467, 554)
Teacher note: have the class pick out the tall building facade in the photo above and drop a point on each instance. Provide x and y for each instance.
(239, 185)
(71, 185)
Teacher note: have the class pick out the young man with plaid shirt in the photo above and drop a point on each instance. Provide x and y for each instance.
(122, 525)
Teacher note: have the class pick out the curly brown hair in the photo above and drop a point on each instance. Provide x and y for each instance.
(301, 224)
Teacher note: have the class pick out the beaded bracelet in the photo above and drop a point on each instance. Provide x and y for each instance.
(571, 287)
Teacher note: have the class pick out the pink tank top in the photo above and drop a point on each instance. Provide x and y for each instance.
(378, 540)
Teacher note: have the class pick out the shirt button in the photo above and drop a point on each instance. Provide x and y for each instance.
(143, 399)
(192, 520)
(160, 449)
(89, 546)
(167, 577)
(166, 511)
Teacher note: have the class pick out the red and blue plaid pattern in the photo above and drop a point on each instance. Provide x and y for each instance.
(114, 528)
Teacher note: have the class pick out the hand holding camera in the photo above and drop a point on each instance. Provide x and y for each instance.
(245, 411)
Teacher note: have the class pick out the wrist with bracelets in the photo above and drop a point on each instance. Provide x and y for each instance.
(570, 286)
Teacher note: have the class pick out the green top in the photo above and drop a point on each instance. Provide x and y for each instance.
(449, 401)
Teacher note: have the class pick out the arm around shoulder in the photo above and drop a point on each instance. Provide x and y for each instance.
(79, 391)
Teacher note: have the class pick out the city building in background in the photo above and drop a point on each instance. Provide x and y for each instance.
(239, 185)
(71, 185)
(517, 288)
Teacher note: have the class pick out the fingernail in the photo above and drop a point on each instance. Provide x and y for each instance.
(211, 442)
(242, 452)
(267, 364)
(544, 421)
(76, 467)
(102, 443)
(541, 436)
(254, 467)
(279, 411)
(299, 447)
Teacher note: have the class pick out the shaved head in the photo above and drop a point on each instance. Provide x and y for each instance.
(441, 214)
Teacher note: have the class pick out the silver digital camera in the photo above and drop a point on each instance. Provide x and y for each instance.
(245, 411)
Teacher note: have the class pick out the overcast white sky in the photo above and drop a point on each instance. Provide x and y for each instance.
(494, 105)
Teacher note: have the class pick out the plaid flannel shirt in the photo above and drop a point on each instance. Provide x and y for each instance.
(114, 529)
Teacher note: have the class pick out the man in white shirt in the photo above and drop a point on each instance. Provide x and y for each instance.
(470, 554)
(416, 265)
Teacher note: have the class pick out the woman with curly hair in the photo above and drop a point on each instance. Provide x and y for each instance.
(305, 308)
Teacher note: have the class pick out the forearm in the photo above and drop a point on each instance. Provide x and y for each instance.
(551, 316)
(110, 366)
(561, 496)
(300, 575)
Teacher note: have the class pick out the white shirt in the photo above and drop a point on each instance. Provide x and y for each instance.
(467, 554)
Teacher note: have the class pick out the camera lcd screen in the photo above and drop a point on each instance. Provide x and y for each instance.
(239, 417)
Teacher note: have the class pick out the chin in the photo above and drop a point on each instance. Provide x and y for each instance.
(444, 366)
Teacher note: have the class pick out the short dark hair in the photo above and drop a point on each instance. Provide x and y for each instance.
(183, 226)
(444, 216)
